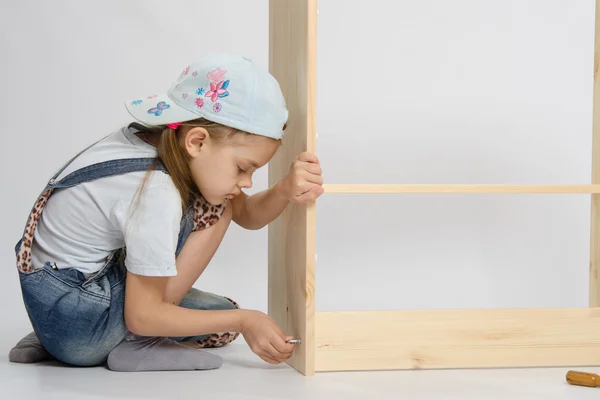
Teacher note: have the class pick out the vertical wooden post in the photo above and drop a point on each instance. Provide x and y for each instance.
(292, 61)
(595, 210)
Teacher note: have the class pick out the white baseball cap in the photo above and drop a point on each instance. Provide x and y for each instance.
(227, 89)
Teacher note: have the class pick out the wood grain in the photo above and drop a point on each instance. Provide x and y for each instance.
(292, 236)
(594, 289)
(415, 339)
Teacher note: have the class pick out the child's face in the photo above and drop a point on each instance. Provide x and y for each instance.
(221, 169)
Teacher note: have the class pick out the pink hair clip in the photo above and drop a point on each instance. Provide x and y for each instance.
(174, 125)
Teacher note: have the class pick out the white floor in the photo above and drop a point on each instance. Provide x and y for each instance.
(245, 376)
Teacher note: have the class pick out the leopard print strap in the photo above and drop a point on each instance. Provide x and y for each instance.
(24, 253)
(206, 214)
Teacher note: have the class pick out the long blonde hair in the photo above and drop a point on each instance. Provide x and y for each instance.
(174, 157)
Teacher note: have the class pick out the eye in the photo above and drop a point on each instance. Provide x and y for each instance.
(241, 170)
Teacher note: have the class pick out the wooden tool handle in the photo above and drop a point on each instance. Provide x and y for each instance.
(583, 379)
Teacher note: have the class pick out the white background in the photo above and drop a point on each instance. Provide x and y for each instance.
(462, 91)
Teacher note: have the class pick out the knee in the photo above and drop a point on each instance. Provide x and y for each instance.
(200, 300)
(219, 302)
(231, 304)
(83, 350)
(224, 303)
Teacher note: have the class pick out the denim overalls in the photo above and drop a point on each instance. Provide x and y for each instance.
(79, 319)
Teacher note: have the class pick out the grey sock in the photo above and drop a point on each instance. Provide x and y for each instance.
(138, 353)
(29, 350)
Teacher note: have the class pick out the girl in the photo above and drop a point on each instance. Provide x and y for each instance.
(120, 234)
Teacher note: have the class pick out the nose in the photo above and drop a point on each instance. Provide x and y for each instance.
(245, 182)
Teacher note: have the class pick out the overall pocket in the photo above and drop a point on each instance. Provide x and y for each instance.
(75, 325)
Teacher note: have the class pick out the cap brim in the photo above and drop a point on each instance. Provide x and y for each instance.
(158, 110)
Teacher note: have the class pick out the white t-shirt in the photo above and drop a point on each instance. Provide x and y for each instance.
(82, 225)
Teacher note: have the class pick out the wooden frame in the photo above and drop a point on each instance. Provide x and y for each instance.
(347, 340)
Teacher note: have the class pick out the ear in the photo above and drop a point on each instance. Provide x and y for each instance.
(194, 140)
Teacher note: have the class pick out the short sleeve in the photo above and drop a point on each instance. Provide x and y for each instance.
(150, 226)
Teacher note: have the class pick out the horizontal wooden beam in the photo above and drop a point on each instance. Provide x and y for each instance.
(383, 340)
(459, 188)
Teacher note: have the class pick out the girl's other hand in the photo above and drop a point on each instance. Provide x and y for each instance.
(265, 337)
(304, 181)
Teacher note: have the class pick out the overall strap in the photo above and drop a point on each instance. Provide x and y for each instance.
(100, 170)
(85, 174)
(61, 169)
(105, 169)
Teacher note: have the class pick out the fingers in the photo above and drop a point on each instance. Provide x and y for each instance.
(269, 359)
(280, 345)
(303, 183)
(278, 355)
(306, 183)
(312, 168)
(308, 157)
(309, 172)
(307, 168)
(267, 340)
(272, 347)
(272, 355)
(311, 195)
(316, 179)
(277, 348)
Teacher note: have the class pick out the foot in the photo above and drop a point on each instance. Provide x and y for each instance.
(139, 353)
(29, 350)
